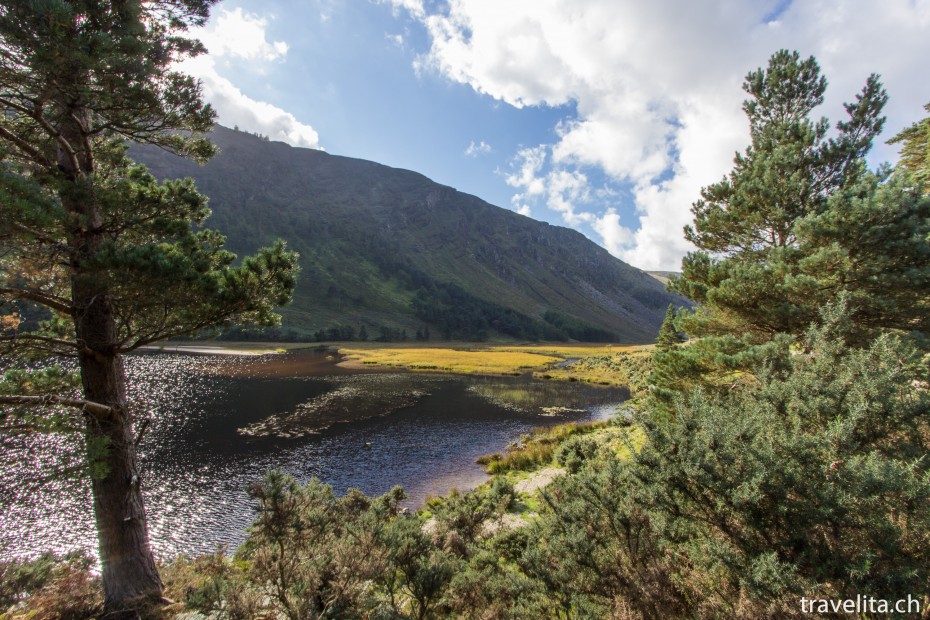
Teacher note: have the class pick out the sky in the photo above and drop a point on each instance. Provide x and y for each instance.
(606, 116)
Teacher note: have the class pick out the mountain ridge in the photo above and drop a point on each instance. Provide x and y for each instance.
(390, 249)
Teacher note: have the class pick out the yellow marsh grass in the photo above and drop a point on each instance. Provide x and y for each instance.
(565, 351)
(602, 369)
(450, 360)
(497, 359)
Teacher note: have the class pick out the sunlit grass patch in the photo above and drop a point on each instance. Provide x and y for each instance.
(539, 448)
(542, 359)
(481, 361)
(629, 368)
(625, 441)
(535, 449)
(228, 347)
(570, 351)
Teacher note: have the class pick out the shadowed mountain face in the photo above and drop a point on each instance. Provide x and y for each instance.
(390, 249)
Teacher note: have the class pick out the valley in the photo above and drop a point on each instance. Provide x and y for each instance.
(387, 254)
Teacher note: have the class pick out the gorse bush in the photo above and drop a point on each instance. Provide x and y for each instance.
(812, 481)
(311, 554)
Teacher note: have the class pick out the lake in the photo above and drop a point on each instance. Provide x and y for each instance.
(217, 423)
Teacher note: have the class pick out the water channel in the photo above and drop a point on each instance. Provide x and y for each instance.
(217, 423)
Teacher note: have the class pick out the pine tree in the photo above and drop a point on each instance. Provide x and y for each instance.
(668, 335)
(107, 251)
(800, 219)
(915, 150)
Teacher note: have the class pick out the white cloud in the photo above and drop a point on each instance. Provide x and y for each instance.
(530, 162)
(563, 190)
(656, 89)
(414, 7)
(242, 35)
(474, 150)
(614, 236)
(235, 34)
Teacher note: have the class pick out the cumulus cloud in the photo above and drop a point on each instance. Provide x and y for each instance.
(474, 150)
(239, 35)
(615, 235)
(529, 163)
(656, 90)
(414, 7)
(562, 190)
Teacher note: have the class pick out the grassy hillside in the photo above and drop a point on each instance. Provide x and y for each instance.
(391, 250)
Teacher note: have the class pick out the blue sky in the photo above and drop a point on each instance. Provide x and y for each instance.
(603, 115)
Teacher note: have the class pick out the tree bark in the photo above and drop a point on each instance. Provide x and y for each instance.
(130, 577)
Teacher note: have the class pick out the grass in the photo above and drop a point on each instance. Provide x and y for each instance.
(466, 358)
(568, 351)
(536, 449)
(624, 441)
(629, 367)
(436, 359)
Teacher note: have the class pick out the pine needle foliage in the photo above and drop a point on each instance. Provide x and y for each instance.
(97, 258)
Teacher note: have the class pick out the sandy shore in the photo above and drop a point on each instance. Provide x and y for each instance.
(209, 349)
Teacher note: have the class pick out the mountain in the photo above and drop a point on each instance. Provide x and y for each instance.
(663, 276)
(393, 251)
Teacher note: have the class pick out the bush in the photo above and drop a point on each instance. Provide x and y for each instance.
(811, 481)
(575, 452)
(50, 587)
(536, 449)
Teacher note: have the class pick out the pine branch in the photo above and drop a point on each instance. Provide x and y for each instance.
(33, 153)
(49, 301)
(37, 115)
(46, 401)
(35, 338)
(38, 234)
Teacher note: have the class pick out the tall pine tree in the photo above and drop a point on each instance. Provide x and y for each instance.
(95, 241)
(799, 222)
(800, 219)
(915, 150)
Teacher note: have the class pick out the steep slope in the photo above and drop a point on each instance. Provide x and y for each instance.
(391, 249)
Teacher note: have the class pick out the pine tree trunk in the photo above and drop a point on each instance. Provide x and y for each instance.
(130, 578)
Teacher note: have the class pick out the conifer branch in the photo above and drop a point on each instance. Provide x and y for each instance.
(33, 153)
(49, 301)
(47, 401)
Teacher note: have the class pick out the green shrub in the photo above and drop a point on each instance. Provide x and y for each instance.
(811, 481)
(50, 587)
(535, 449)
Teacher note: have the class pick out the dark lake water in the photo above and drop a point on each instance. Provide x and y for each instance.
(218, 423)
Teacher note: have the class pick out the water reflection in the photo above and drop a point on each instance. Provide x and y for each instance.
(218, 423)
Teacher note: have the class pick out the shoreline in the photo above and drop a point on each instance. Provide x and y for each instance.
(605, 364)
